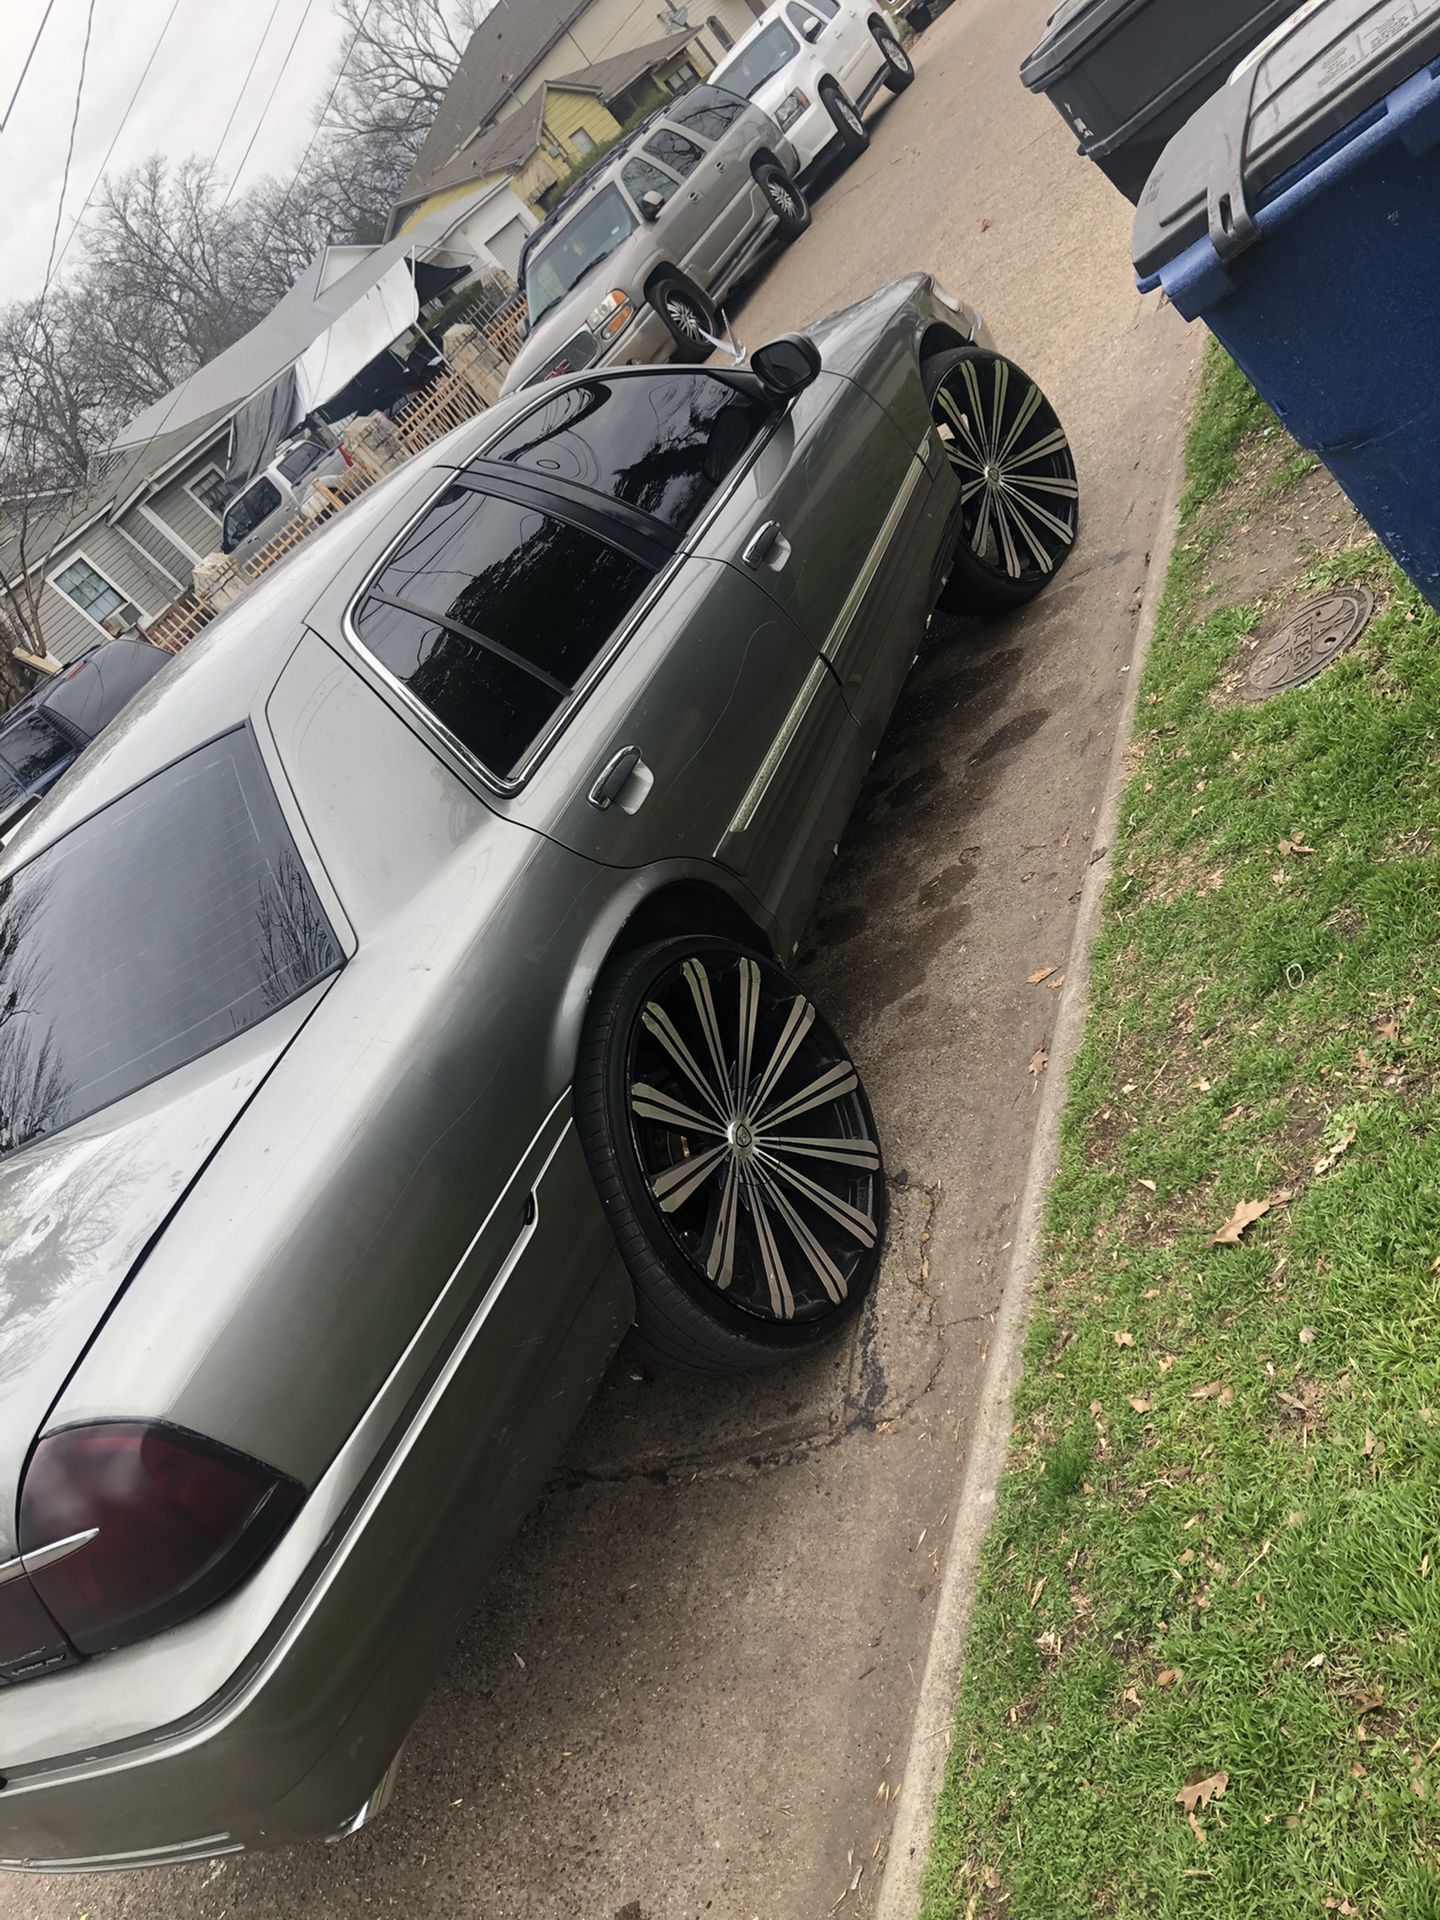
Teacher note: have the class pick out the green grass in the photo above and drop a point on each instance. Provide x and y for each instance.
(1273, 1540)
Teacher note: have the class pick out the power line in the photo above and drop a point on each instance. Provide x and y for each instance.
(70, 147)
(244, 84)
(26, 68)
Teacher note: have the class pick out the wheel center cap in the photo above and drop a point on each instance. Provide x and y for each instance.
(741, 1137)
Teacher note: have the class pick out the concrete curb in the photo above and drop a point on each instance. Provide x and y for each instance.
(923, 1774)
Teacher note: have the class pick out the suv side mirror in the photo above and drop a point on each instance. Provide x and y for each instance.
(652, 204)
(786, 366)
(812, 29)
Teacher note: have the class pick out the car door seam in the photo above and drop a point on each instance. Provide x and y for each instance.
(864, 579)
(754, 796)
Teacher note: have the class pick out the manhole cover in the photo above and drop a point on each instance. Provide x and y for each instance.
(1309, 640)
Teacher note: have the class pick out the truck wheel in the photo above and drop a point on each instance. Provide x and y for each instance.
(851, 130)
(792, 210)
(899, 69)
(687, 313)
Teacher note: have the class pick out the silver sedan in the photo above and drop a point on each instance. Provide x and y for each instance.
(393, 1012)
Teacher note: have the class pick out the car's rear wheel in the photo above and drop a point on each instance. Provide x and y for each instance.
(1020, 499)
(850, 129)
(899, 68)
(688, 315)
(734, 1151)
(792, 210)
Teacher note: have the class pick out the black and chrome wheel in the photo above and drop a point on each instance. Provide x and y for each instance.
(1020, 500)
(792, 210)
(734, 1151)
(899, 69)
(853, 134)
(688, 315)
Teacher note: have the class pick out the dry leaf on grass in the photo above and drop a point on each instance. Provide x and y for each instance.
(1200, 1792)
(1342, 1145)
(1040, 973)
(1140, 1406)
(1246, 1213)
(1123, 1339)
(1295, 844)
(1147, 1183)
(1387, 1029)
(1167, 1676)
(1307, 1336)
(1213, 1390)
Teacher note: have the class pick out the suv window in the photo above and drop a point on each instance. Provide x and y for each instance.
(641, 178)
(673, 150)
(248, 511)
(708, 112)
(35, 746)
(661, 443)
(194, 868)
(808, 25)
(768, 53)
(573, 249)
(490, 615)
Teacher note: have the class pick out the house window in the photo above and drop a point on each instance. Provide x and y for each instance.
(582, 143)
(210, 490)
(87, 588)
(684, 76)
(723, 38)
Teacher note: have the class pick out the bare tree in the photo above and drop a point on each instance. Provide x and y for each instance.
(399, 60)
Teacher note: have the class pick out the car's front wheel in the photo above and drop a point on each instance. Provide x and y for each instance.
(850, 129)
(734, 1152)
(688, 315)
(791, 209)
(899, 68)
(1020, 498)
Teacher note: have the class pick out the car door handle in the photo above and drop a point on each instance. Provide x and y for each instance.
(614, 778)
(761, 544)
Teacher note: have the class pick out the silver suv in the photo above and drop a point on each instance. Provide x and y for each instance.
(631, 265)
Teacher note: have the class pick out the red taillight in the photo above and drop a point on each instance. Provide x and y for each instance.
(166, 1522)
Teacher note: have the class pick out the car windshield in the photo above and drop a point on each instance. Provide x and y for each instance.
(768, 53)
(35, 746)
(167, 923)
(580, 245)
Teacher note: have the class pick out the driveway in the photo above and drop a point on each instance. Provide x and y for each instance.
(690, 1690)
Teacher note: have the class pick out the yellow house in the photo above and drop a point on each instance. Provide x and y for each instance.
(542, 141)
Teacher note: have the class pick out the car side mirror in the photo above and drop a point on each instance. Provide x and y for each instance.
(786, 366)
(652, 204)
(812, 30)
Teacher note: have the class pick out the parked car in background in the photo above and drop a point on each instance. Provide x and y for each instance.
(406, 1014)
(814, 66)
(274, 497)
(51, 728)
(632, 265)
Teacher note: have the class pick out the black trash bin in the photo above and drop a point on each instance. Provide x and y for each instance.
(1127, 74)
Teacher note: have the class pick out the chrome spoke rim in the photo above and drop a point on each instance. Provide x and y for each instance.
(1019, 496)
(753, 1137)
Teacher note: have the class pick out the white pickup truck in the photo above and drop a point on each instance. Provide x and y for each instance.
(814, 66)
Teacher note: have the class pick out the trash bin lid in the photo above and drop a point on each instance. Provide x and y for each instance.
(1319, 71)
(1070, 34)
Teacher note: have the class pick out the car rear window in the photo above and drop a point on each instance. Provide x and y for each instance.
(490, 615)
(171, 921)
(708, 112)
(298, 462)
(661, 442)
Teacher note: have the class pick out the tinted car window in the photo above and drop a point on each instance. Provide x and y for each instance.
(675, 151)
(767, 54)
(809, 25)
(641, 178)
(166, 924)
(249, 510)
(660, 442)
(708, 113)
(35, 746)
(298, 462)
(491, 613)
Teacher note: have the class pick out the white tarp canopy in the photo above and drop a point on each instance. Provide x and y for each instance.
(389, 308)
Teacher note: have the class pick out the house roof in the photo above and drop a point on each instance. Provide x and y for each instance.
(622, 70)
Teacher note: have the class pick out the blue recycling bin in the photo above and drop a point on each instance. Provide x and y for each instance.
(1298, 214)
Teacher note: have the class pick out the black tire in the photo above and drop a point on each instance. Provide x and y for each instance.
(850, 129)
(673, 298)
(1010, 453)
(724, 1281)
(792, 209)
(899, 68)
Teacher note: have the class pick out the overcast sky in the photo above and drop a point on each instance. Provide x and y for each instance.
(183, 107)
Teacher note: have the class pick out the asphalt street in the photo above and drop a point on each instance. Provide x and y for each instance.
(688, 1693)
